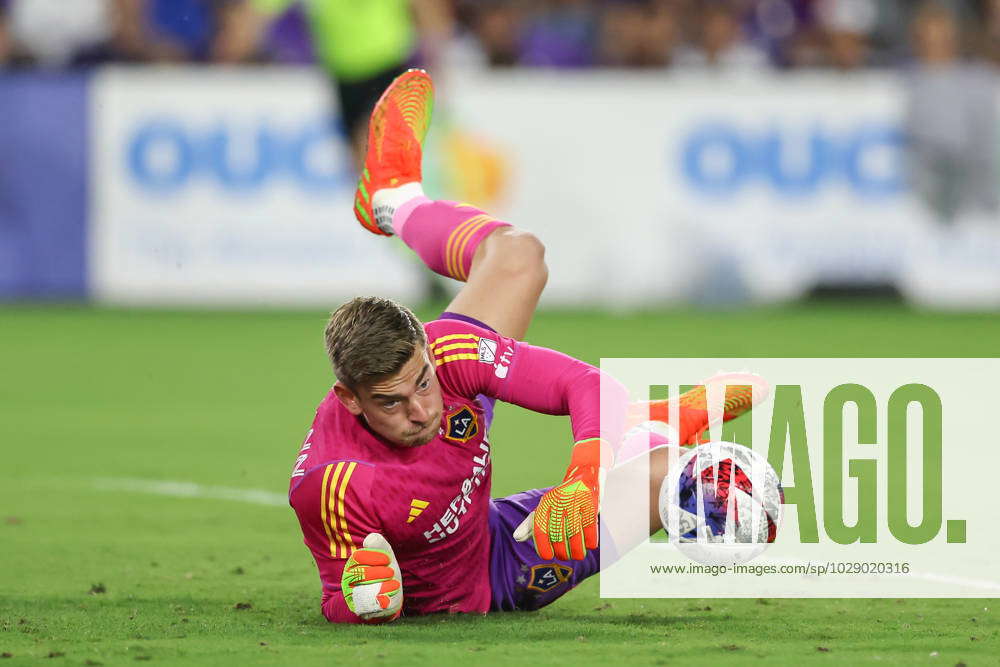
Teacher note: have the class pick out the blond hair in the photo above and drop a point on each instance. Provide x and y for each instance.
(369, 338)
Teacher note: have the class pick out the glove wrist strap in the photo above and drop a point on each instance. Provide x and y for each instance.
(590, 453)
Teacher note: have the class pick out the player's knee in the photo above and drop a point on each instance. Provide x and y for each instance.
(522, 255)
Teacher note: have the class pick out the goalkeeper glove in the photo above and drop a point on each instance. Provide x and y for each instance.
(371, 581)
(564, 524)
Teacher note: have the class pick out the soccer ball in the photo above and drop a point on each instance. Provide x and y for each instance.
(721, 503)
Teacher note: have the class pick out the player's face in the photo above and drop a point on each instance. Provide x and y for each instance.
(405, 408)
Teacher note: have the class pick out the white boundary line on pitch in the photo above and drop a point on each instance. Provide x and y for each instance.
(193, 490)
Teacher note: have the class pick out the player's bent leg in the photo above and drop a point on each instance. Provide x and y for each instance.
(630, 507)
(742, 392)
(503, 268)
(506, 277)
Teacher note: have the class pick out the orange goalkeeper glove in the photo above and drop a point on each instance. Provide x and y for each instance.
(564, 525)
(371, 582)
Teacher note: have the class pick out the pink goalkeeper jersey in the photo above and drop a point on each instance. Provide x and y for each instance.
(431, 502)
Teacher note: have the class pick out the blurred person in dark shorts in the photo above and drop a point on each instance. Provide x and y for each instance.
(362, 46)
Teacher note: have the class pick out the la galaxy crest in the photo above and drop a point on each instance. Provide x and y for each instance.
(462, 424)
(546, 577)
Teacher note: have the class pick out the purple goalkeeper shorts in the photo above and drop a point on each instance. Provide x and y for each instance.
(519, 578)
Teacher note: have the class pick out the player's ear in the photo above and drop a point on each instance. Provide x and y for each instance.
(347, 397)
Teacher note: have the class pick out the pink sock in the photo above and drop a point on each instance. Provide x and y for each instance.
(444, 234)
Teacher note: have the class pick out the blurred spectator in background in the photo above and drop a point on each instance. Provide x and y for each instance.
(6, 47)
(177, 30)
(848, 25)
(287, 38)
(720, 42)
(951, 121)
(55, 33)
(991, 30)
(362, 45)
(560, 33)
(638, 33)
(786, 29)
(497, 25)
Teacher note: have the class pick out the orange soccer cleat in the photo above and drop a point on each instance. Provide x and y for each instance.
(694, 414)
(396, 133)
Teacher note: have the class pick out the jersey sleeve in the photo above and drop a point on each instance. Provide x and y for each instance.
(333, 504)
(471, 360)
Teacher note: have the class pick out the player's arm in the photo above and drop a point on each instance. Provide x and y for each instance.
(564, 524)
(360, 575)
(544, 380)
(471, 360)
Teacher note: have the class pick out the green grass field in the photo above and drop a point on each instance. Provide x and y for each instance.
(93, 573)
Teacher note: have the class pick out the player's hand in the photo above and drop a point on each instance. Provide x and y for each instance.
(564, 525)
(371, 581)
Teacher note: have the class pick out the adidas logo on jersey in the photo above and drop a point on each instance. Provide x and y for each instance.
(416, 507)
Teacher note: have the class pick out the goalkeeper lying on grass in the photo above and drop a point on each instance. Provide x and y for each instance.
(392, 486)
